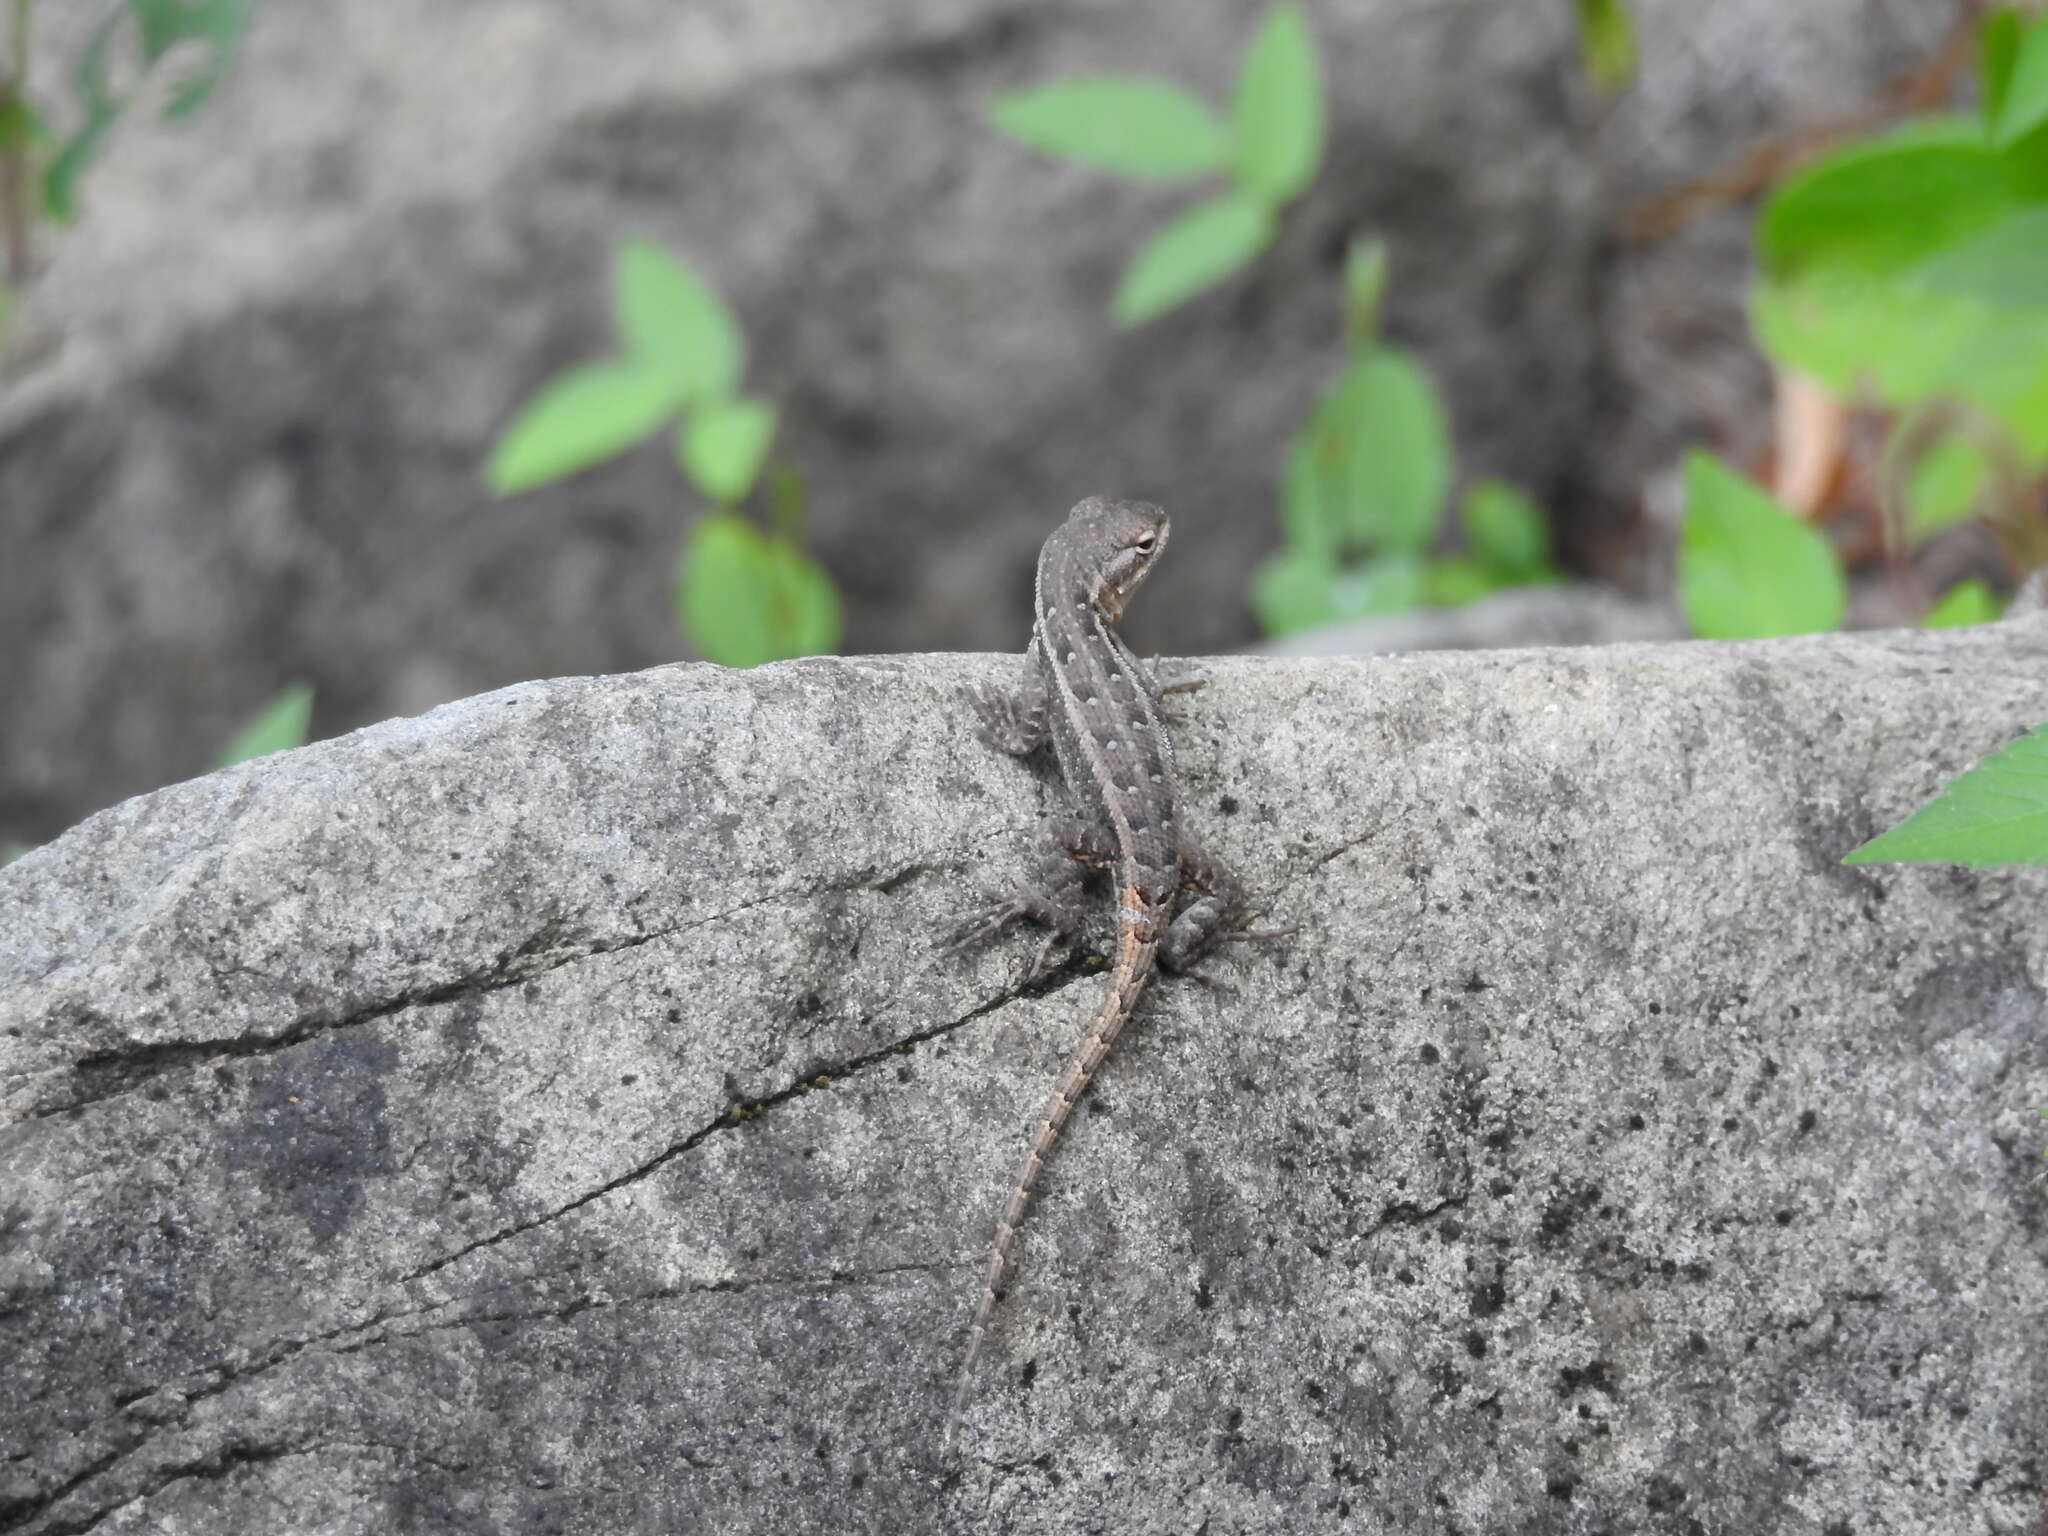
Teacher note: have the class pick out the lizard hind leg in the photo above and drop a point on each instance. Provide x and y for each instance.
(1197, 926)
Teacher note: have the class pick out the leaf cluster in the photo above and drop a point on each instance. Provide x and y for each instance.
(155, 28)
(1364, 489)
(742, 596)
(1909, 269)
(1268, 151)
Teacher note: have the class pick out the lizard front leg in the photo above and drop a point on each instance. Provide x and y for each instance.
(1014, 722)
(1056, 898)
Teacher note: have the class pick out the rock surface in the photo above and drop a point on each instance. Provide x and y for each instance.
(282, 339)
(549, 1115)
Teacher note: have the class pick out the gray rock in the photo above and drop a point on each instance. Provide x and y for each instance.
(1577, 614)
(280, 342)
(549, 1115)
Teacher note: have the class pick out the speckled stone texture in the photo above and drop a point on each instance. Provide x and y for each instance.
(550, 1115)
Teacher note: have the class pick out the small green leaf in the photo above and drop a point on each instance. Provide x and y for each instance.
(1146, 129)
(1997, 813)
(1942, 487)
(1277, 120)
(74, 154)
(1883, 204)
(282, 725)
(2023, 102)
(723, 445)
(1607, 43)
(1395, 582)
(1304, 510)
(164, 24)
(807, 616)
(1999, 36)
(1506, 531)
(1454, 580)
(578, 419)
(745, 598)
(671, 321)
(1386, 450)
(1294, 590)
(1747, 568)
(1967, 602)
(1195, 251)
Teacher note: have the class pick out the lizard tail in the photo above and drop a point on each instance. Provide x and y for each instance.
(1137, 945)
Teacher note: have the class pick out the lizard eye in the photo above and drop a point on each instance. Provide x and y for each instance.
(1147, 542)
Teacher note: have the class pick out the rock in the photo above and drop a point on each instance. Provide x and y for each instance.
(1575, 614)
(549, 1114)
(282, 338)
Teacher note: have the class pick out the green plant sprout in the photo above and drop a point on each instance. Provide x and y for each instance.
(1364, 488)
(1154, 130)
(1997, 813)
(40, 171)
(743, 596)
(282, 725)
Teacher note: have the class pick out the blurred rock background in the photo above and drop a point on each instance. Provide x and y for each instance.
(251, 390)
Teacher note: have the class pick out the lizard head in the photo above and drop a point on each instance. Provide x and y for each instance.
(1117, 541)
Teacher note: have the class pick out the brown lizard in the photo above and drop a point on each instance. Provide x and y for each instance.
(1100, 707)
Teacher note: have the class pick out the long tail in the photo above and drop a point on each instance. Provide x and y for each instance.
(1137, 945)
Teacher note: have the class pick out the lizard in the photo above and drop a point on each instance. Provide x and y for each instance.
(1099, 706)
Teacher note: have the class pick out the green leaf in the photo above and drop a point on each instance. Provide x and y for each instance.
(1967, 602)
(1607, 42)
(282, 724)
(1997, 813)
(2023, 101)
(1198, 250)
(1999, 36)
(74, 154)
(1908, 343)
(1277, 120)
(164, 24)
(745, 598)
(1880, 205)
(1395, 582)
(1454, 580)
(1506, 531)
(1386, 452)
(723, 445)
(1304, 509)
(674, 324)
(1942, 487)
(578, 419)
(2004, 264)
(1146, 129)
(1747, 568)
(1294, 590)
